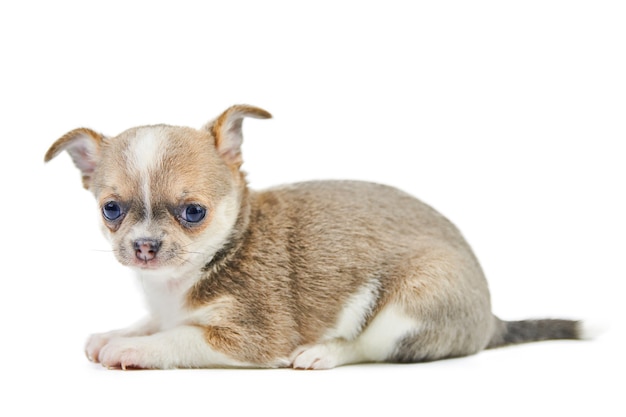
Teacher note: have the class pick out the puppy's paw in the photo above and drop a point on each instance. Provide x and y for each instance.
(94, 345)
(323, 356)
(128, 353)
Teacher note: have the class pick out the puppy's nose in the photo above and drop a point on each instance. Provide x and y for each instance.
(146, 249)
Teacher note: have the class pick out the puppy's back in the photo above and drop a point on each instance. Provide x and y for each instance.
(355, 214)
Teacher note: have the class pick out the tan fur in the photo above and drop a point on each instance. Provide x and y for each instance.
(268, 276)
(379, 241)
(227, 125)
(72, 142)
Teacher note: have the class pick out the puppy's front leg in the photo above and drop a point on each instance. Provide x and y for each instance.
(180, 347)
(98, 340)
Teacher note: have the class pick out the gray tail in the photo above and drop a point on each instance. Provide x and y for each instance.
(514, 332)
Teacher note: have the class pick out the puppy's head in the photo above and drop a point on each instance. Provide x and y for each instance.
(168, 196)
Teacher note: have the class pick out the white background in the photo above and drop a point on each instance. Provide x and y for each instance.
(506, 116)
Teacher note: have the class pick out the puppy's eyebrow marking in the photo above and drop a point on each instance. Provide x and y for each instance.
(144, 155)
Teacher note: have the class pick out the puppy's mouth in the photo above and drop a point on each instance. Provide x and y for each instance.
(151, 264)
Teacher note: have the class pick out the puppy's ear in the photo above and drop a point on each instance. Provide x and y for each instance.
(226, 130)
(83, 145)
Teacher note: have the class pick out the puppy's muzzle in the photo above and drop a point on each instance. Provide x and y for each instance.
(146, 249)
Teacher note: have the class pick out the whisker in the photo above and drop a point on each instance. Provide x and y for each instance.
(105, 250)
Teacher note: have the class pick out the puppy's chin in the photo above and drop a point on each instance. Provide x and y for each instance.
(156, 270)
(161, 272)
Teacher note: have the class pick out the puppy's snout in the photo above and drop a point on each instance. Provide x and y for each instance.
(146, 249)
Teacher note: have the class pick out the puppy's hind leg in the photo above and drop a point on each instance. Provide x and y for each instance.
(375, 344)
(447, 293)
(436, 306)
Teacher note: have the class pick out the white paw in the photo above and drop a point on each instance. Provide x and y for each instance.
(325, 356)
(128, 352)
(95, 343)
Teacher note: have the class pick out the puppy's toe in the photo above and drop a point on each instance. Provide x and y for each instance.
(94, 344)
(123, 354)
(315, 357)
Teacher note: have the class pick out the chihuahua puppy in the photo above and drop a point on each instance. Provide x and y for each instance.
(311, 275)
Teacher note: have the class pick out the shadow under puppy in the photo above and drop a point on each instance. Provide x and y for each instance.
(311, 275)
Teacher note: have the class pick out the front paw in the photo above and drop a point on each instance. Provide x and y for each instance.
(94, 345)
(127, 353)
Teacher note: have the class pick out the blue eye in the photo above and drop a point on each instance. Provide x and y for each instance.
(193, 213)
(112, 210)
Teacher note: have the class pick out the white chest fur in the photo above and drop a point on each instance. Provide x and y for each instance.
(165, 295)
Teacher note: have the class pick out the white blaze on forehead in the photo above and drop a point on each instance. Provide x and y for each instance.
(146, 150)
(144, 155)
